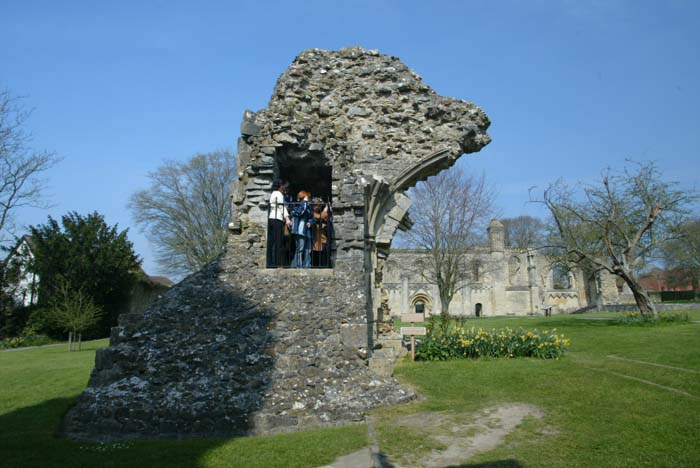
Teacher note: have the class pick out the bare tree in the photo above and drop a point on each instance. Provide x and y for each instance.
(617, 223)
(448, 212)
(20, 166)
(186, 210)
(524, 232)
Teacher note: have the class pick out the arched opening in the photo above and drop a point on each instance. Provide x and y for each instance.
(308, 242)
(560, 277)
(421, 304)
(477, 309)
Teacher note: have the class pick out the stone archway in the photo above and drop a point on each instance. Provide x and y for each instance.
(421, 299)
(387, 211)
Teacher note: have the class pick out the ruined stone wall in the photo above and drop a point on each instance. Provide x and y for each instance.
(239, 349)
(364, 114)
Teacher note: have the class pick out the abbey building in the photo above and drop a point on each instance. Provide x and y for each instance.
(497, 280)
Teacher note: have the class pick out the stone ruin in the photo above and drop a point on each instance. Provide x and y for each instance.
(238, 349)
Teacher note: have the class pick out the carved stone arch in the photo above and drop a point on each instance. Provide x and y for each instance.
(421, 298)
(388, 205)
(387, 210)
(560, 276)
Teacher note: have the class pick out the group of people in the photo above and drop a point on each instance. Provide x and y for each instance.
(301, 227)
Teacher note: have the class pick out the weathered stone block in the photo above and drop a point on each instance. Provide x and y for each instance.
(248, 125)
(353, 335)
(381, 366)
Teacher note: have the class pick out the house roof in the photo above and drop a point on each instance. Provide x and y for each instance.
(14, 250)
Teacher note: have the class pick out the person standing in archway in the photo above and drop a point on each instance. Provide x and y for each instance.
(320, 234)
(302, 220)
(277, 218)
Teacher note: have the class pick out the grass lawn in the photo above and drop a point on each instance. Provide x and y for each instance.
(37, 387)
(598, 410)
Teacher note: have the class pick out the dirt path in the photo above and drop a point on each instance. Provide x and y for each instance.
(465, 435)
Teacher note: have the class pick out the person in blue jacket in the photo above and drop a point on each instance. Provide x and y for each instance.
(302, 220)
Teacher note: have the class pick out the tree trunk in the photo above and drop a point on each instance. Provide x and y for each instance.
(445, 305)
(646, 307)
(445, 314)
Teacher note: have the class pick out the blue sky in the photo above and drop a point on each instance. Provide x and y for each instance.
(570, 86)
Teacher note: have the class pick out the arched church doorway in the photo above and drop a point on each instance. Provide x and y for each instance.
(477, 309)
(421, 304)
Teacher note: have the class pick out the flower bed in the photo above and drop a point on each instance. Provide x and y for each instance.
(471, 342)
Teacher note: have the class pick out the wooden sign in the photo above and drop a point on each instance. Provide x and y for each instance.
(413, 331)
(412, 318)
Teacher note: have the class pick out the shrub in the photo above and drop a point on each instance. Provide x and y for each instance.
(25, 340)
(460, 342)
(635, 318)
(673, 296)
(12, 319)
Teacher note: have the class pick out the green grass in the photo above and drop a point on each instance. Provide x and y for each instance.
(38, 386)
(593, 416)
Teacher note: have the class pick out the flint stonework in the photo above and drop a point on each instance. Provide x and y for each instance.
(237, 349)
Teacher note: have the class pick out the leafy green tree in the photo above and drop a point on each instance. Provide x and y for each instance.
(616, 223)
(91, 256)
(73, 311)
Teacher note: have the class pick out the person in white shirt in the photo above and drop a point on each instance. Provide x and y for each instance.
(277, 218)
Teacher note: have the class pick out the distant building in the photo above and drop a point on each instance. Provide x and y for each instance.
(146, 291)
(659, 279)
(497, 281)
(21, 283)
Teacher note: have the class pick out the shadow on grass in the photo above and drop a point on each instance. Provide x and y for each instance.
(198, 363)
(29, 438)
(492, 464)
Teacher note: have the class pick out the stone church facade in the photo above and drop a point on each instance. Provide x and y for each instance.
(497, 281)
